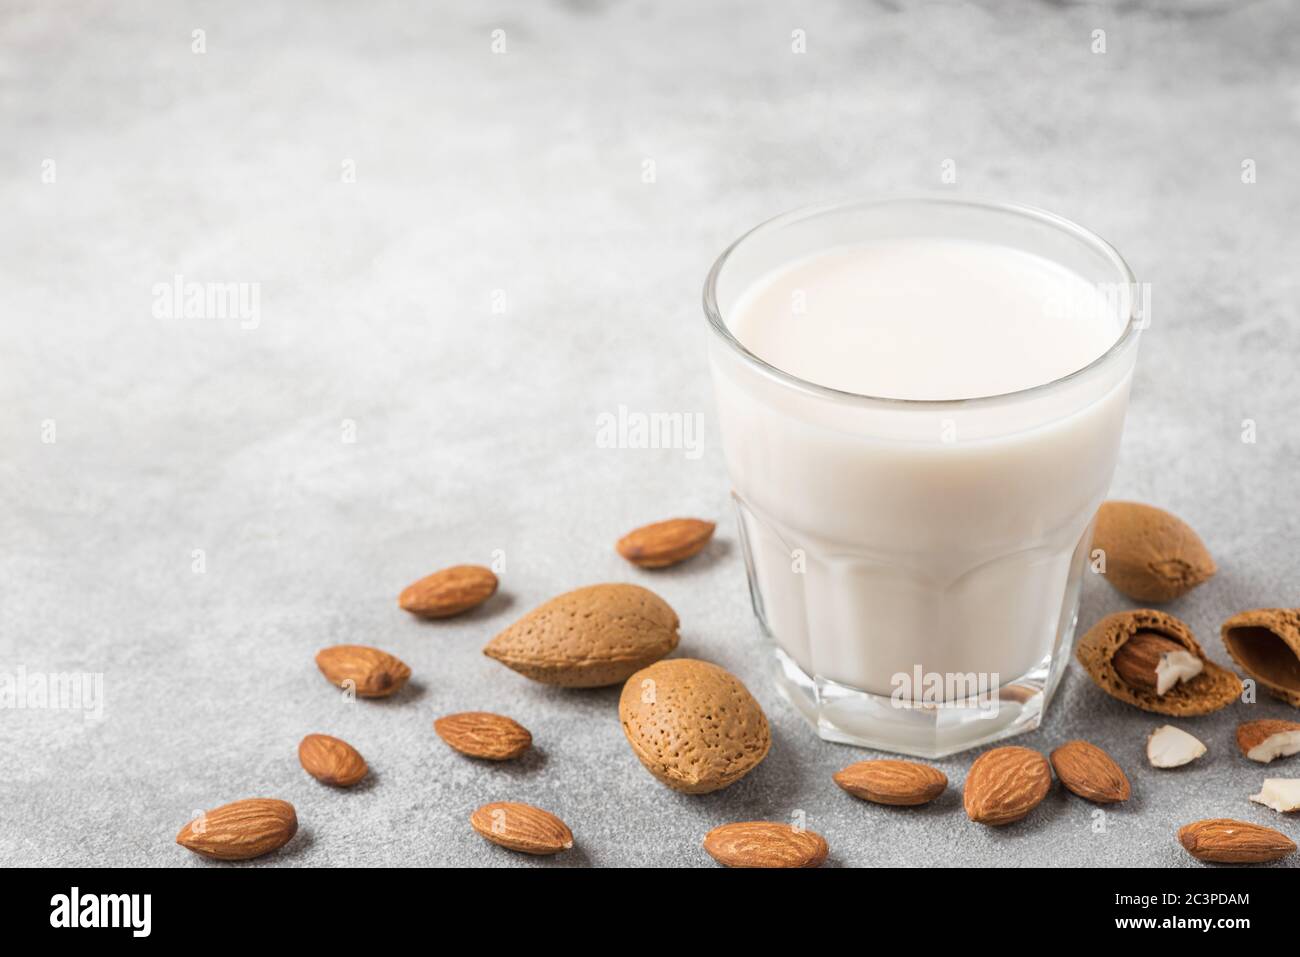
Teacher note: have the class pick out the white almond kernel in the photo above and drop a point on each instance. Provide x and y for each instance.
(1170, 747)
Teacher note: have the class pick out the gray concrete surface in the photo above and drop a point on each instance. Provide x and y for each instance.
(498, 276)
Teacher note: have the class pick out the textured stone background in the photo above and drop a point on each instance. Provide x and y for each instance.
(475, 430)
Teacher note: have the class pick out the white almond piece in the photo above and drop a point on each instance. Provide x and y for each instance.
(1281, 794)
(1279, 745)
(1170, 747)
(1176, 666)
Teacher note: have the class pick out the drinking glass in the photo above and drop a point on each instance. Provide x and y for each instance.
(915, 566)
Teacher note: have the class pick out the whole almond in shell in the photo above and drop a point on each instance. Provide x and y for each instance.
(241, 830)
(1090, 772)
(665, 543)
(1265, 642)
(522, 827)
(693, 725)
(1268, 738)
(370, 672)
(765, 844)
(902, 783)
(481, 734)
(594, 636)
(449, 591)
(1212, 689)
(1151, 555)
(331, 760)
(1226, 841)
(1005, 784)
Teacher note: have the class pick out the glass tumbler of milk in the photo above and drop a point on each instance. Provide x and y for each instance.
(920, 403)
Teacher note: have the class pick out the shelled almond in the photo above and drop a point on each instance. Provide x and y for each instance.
(665, 543)
(481, 734)
(522, 827)
(1005, 784)
(1225, 841)
(331, 760)
(241, 830)
(900, 783)
(765, 844)
(449, 592)
(1091, 773)
(369, 672)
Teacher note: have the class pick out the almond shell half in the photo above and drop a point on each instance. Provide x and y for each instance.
(1265, 642)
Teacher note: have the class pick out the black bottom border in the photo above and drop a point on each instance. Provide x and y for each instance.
(212, 904)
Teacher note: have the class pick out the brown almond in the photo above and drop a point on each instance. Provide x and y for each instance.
(1226, 841)
(1090, 772)
(665, 543)
(522, 827)
(1140, 660)
(1268, 738)
(371, 672)
(765, 844)
(590, 637)
(1265, 642)
(903, 783)
(449, 592)
(241, 830)
(481, 734)
(331, 760)
(1212, 689)
(1005, 784)
(1150, 555)
(693, 725)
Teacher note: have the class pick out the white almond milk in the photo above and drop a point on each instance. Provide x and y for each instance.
(924, 319)
(887, 537)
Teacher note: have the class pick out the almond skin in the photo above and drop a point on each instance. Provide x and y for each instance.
(1090, 772)
(241, 830)
(1005, 784)
(373, 673)
(765, 844)
(590, 637)
(331, 760)
(522, 827)
(1226, 841)
(481, 734)
(1151, 555)
(902, 783)
(1252, 734)
(449, 592)
(1138, 660)
(665, 543)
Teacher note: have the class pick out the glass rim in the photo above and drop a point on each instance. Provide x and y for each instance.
(1085, 236)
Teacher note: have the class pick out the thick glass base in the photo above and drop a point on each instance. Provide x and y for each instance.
(850, 716)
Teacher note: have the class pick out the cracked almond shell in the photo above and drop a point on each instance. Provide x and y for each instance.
(594, 636)
(1212, 689)
(1265, 642)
